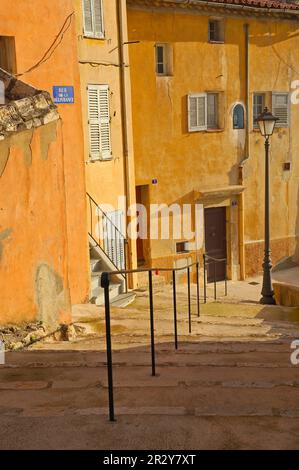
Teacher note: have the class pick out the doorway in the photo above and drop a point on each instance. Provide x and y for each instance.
(215, 241)
(142, 197)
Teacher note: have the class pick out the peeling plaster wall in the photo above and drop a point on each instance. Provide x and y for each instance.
(32, 39)
(34, 281)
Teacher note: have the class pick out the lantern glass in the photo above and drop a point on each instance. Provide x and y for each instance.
(266, 122)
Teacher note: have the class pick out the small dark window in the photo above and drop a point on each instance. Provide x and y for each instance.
(287, 166)
(160, 60)
(216, 30)
(182, 247)
(238, 117)
(8, 54)
(164, 62)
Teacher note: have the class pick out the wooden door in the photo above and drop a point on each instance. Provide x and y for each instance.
(215, 240)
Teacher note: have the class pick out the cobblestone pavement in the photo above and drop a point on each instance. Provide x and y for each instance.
(230, 385)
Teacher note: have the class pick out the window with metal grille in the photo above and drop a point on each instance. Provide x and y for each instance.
(280, 108)
(99, 122)
(93, 18)
(216, 30)
(258, 106)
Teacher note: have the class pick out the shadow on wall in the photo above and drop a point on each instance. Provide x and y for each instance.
(53, 300)
(295, 257)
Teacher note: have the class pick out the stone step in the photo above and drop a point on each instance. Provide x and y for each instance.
(123, 300)
(98, 293)
(95, 265)
(125, 375)
(219, 399)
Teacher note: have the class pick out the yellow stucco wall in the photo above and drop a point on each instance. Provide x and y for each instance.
(105, 180)
(186, 163)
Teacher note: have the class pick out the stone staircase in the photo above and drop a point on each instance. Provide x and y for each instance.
(100, 263)
(230, 385)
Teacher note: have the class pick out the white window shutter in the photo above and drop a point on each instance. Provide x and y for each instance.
(98, 18)
(94, 123)
(280, 108)
(99, 122)
(105, 122)
(88, 17)
(197, 112)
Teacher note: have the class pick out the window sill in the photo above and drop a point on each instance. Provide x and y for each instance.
(97, 38)
(214, 130)
(96, 160)
(216, 42)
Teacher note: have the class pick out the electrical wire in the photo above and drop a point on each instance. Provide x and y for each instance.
(55, 44)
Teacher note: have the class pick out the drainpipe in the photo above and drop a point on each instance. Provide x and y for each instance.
(124, 115)
(246, 156)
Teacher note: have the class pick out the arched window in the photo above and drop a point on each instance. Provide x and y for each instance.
(238, 117)
(2, 92)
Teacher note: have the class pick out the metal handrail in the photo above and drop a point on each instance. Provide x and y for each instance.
(120, 252)
(105, 282)
(104, 213)
(213, 261)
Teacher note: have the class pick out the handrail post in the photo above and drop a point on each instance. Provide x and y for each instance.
(205, 278)
(215, 283)
(189, 300)
(226, 278)
(175, 310)
(126, 246)
(151, 301)
(105, 284)
(197, 287)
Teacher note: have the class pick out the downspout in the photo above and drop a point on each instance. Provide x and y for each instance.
(246, 156)
(124, 118)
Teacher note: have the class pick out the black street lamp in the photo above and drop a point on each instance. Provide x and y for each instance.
(266, 122)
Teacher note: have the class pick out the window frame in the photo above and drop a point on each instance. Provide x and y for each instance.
(220, 32)
(206, 127)
(93, 34)
(216, 111)
(263, 95)
(167, 59)
(241, 106)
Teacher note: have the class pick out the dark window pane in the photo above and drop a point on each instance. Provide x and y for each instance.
(238, 117)
(160, 54)
(212, 117)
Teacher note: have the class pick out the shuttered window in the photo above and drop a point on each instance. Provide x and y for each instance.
(203, 111)
(280, 108)
(99, 122)
(93, 18)
(197, 112)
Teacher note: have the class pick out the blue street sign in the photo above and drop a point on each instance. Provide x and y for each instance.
(63, 94)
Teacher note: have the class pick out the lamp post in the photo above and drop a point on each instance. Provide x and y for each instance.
(266, 122)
